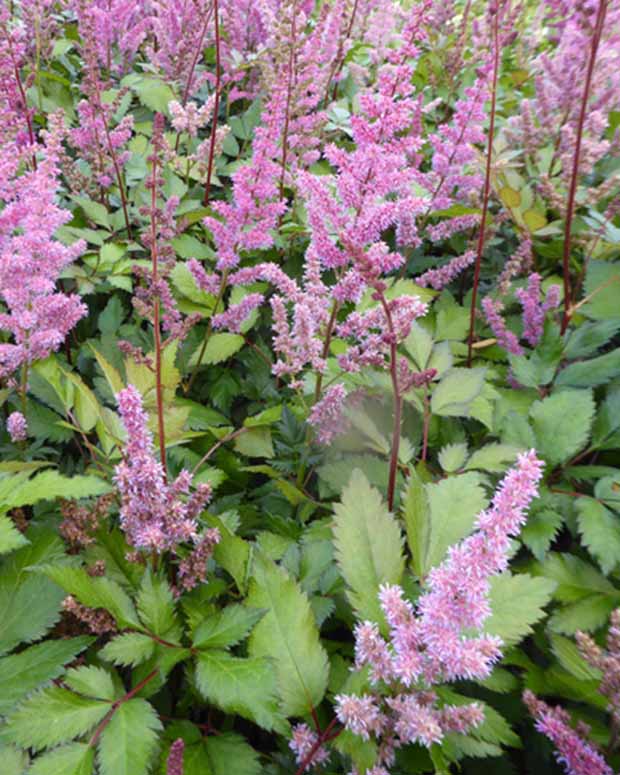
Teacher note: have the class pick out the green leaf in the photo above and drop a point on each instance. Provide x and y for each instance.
(493, 457)
(156, 608)
(95, 592)
(569, 656)
(606, 427)
(74, 759)
(152, 92)
(129, 649)
(602, 286)
(227, 627)
(111, 374)
(86, 406)
(452, 457)
(129, 742)
(557, 439)
(590, 373)
(588, 614)
(22, 673)
(230, 753)
(539, 532)
(574, 577)
(93, 210)
(51, 484)
(255, 443)
(454, 504)
(14, 762)
(112, 316)
(10, 537)
(517, 603)
(600, 532)
(587, 339)
(368, 545)
(243, 686)
(53, 716)
(91, 681)
(456, 391)
(288, 634)
(416, 513)
(220, 347)
(22, 591)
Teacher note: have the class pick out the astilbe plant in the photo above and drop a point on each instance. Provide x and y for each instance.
(429, 643)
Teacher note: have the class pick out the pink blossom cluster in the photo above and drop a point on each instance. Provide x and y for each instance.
(114, 28)
(38, 317)
(551, 117)
(154, 515)
(573, 750)
(17, 426)
(607, 660)
(93, 134)
(303, 743)
(533, 315)
(427, 644)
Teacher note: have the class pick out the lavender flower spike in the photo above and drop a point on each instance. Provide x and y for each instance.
(152, 512)
(17, 426)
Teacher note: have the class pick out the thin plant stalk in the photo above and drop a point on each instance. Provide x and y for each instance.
(570, 208)
(487, 187)
(289, 95)
(190, 77)
(156, 322)
(216, 103)
(398, 406)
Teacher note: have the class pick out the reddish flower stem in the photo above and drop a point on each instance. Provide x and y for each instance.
(289, 96)
(22, 95)
(326, 735)
(398, 406)
(156, 322)
(487, 187)
(216, 103)
(116, 705)
(192, 68)
(570, 208)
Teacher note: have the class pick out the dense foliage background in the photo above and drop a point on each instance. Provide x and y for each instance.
(287, 287)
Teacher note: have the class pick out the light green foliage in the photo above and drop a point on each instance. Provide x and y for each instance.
(34, 666)
(95, 592)
(227, 627)
(10, 537)
(21, 590)
(562, 423)
(53, 716)
(455, 393)
(238, 685)
(517, 603)
(368, 545)
(288, 635)
(600, 532)
(129, 649)
(73, 759)
(453, 504)
(129, 742)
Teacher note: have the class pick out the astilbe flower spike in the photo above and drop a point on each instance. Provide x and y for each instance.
(153, 513)
(38, 316)
(573, 751)
(607, 661)
(427, 644)
(17, 426)
(174, 763)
